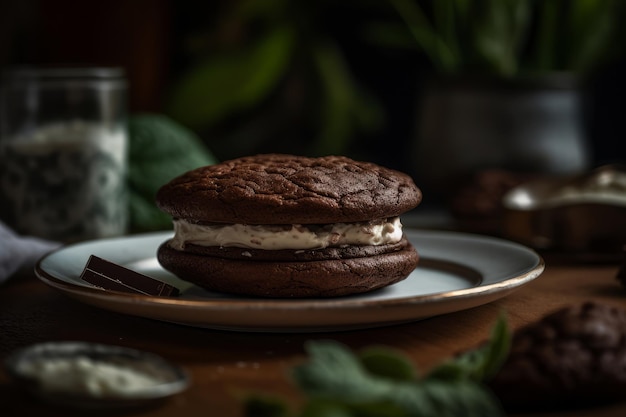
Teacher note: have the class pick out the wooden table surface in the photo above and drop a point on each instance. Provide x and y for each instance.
(226, 366)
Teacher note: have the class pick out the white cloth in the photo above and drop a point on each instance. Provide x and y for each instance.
(19, 252)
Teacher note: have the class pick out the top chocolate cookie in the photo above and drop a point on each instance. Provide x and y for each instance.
(286, 189)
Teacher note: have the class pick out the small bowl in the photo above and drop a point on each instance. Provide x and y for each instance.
(580, 214)
(165, 379)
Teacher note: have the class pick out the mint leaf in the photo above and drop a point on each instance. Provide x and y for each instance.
(263, 406)
(478, 364)
(159, 150)
(497, 349)
(381, 382)
(224, 84)
(388, 363)
(333, 370)
(459, 398)
(326, 408)
(339, 384)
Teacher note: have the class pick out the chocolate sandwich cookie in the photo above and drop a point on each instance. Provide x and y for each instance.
(289, 226)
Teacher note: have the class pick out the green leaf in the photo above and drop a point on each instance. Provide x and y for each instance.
(389, 35)
(497, 32)
(325, 408)
(159, 150)
(478, 364)
(144, 215)
(425, 35)
(332, 370)
(457, 398)
(377, 409)
(497, 349)
(254, 9)
(340, 384)
(264, 406)
(508, 37)
(547, 38)
(227, 83)
(346, 108)
(338, 408)
(387, 363)
(591, 28)
(445, 22)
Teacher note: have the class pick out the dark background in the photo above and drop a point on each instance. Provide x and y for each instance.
(148, 37)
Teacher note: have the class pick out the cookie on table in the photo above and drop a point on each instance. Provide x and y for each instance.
(573, 357)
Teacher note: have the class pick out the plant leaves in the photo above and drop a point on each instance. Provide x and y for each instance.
(159, 150)
(339, 383)
(263, 406)
(227, 83)
(497, 32)
(460, 397)
(429, 39)
(389, 35)
(387, 363)
(445, 22)
(478, 364)
(508, 37)
(338, 408)
(333, 370)
(591, 27)
(347, 109)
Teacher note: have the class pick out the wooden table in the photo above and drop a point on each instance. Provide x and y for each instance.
(226, 365)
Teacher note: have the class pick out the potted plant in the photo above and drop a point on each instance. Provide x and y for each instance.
(508, 83)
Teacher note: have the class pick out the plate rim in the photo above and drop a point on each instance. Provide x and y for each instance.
(340, 303)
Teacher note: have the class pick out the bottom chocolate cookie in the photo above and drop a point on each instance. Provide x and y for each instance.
(325, 278)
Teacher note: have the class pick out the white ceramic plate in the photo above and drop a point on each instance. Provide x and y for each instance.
(456, 272)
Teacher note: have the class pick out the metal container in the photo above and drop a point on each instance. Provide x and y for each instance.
(581, 214)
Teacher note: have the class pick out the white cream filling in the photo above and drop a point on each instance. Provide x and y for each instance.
(295, 237)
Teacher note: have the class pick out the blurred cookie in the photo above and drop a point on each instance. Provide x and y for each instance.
(477, 207)
(573, 357)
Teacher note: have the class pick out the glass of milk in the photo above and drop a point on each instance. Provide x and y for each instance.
(63, 150)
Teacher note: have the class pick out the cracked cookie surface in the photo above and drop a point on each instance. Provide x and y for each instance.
(285, 189)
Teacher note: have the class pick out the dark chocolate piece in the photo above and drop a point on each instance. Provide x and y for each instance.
(110, 276)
